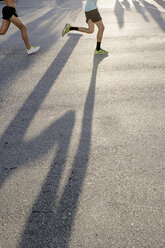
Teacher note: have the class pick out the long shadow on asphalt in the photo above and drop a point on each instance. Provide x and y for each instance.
(14, 151)
(140, 9)
(119, 12)
(161, 3)
(126, 5)
(50, 225)
(155, 13)
(152, 9)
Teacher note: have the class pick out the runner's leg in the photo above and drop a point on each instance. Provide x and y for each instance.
(17, 22)
(101, 28)
(100, 32)
(88, 30)
(4, 27)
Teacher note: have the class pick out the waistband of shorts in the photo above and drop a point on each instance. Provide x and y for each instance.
(91, 10)
(9, 7)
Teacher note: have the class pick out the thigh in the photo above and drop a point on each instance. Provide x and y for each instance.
(100, 24)
(91, 25)
(17, 22)
(5, 25)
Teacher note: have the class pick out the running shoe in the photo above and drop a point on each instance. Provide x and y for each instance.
(66, 29)
(101, 51)
(33, 49)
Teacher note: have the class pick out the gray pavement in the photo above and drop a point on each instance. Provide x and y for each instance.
(82, 136)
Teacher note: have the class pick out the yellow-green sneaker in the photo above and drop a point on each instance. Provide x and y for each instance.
(66, 29)
(101, 51)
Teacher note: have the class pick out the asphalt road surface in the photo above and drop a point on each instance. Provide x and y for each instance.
(82, 137)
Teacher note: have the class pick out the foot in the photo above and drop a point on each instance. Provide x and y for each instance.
(33, 49)
(66, 29)
(101, 51)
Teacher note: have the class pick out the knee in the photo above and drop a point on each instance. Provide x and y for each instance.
(102, 28)
(2, 32)
(23, 28)
(91, 31)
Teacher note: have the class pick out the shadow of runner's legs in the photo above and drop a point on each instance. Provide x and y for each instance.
(50, 225)
(36, 233)
(140, 9)
(155, 13)
(161, 3)
(13, 148)
(67, 208)
(126, 5)
(119, 12)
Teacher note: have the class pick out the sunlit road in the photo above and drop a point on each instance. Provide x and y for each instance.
(82, 136)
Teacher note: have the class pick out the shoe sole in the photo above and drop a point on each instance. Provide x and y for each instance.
(101, 53)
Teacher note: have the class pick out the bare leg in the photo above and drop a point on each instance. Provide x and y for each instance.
(100, 26)
(4, 27)
(17, 22)
(90, 28)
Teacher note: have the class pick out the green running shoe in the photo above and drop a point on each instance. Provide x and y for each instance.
(101, 51)
(66, 29)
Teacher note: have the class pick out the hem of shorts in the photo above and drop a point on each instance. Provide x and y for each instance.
(9, 17)
(92, 20)
(6, 18)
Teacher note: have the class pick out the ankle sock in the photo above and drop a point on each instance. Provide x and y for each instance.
(74, 28)
(98, 46)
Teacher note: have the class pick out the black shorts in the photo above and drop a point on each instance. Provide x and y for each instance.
(94, 15)
(8, 12)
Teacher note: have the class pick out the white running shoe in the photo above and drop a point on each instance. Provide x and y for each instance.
(33, 49)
